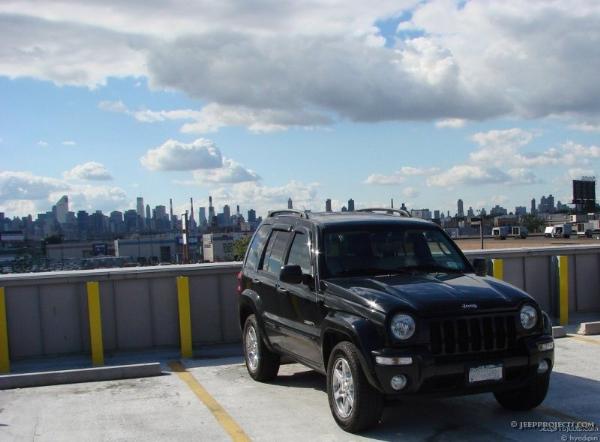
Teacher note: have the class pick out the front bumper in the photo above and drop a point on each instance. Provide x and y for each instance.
(447, 376)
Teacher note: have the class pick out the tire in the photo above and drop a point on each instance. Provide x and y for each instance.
(262, 364)
(366, 403)
(525, 398)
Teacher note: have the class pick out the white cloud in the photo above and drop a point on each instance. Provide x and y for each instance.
(385, 180)
(17, 185)
(262, 65)
(578, 172)
(452, 123)
(231, 172)
(467, 174)
(91, 170)
(175, 155)
(69, 143)
(91, 198)
(410, 192)
(264, 198)
(586, 127)
(42, 143)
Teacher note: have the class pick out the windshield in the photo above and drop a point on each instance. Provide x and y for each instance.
(378, 250)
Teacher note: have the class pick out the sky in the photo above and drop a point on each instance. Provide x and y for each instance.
(253, 102)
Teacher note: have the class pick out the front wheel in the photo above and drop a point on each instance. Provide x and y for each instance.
(355, 404)
(525, 398)
(262, 364)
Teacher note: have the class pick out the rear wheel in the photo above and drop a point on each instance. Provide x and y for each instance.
(262, 364)
(354, 403)
(525, 398)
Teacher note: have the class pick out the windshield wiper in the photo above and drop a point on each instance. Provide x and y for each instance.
(431, 268)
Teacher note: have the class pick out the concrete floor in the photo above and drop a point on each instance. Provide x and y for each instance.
(294, 407)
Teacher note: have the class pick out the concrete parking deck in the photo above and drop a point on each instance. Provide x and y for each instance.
(294, 407)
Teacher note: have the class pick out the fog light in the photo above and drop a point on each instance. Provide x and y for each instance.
(543, 366)
(546, 346)
(398, 382)
(393, 360)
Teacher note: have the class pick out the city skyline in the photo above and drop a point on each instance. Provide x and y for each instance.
(371, 102)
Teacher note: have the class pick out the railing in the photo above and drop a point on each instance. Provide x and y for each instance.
(182, 306)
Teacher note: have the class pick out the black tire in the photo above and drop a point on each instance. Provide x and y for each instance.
(367, 401)
(525, 398)
(267, 364)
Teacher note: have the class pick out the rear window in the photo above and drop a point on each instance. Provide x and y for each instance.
(256, 248)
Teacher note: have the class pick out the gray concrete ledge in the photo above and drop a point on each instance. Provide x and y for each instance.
(559, 332)
(94, 374)
(589, 328)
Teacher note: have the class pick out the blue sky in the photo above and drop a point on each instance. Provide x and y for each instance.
(389, 102)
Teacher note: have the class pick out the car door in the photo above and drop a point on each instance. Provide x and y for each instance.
(300, 322)
(268, 278)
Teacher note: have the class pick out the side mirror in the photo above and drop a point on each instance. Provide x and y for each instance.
(480, 266)
(292, 274)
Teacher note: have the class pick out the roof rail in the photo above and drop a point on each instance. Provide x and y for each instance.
(386, 211)
(300, 213)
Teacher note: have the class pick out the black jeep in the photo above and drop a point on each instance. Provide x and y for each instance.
(386, 306)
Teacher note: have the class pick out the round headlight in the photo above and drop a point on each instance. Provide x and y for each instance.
(528, 317)
(403, 326)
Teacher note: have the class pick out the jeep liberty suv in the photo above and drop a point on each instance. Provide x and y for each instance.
(386, 306)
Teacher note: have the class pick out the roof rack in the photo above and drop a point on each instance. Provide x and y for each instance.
(300, 213)
(386, 211)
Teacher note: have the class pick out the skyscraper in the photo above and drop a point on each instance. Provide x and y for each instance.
(148, 215)
(328, 205)
(533, 208)
(290, 204)
(140, 206)
(461, 208)
(227, 214)
(62, 208)
(211, 212)
(251, 216)
(350, 205)
(171, 220)
(202, 217)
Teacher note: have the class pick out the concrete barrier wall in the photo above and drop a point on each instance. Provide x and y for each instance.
(47, 313)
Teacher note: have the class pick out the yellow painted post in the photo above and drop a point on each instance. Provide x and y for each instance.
(563, 289)
(4, 355)
(185, 322)
(498, 266)
(95, 317)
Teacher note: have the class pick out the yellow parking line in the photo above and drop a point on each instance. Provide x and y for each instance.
(582, 339)
(225, 420)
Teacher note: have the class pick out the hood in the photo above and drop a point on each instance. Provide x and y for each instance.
(430, 294)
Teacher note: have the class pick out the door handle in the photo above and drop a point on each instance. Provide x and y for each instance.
(255, 281)
(282, 290)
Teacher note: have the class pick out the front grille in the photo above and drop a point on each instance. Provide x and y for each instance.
(473, 334)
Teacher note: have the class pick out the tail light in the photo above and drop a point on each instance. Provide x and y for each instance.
(239, 284)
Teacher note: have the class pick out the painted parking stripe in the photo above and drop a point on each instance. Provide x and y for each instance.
(582, 339)
(225, 420)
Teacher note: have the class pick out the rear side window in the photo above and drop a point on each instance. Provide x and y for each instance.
(256, 247)
(275, 252)
(300, 253)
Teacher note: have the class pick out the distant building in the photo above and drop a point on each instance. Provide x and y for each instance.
(546, 204)
(211, 212)
(470, 212)
(251, 216)
(140, 206)
(520, 210)
(460, 209)
(149, 249)
(436, 214)
(202, 217)
(421, 213)
(350, 205)
(498, 211)
(218, 247)
(533, 207)
(61, 209)
(290, 204)
(148, 213)
(328, 205)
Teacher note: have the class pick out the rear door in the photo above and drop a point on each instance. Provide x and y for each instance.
(268, 278)
(299, 309)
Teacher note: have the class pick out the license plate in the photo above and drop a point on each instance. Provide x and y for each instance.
(485, 373)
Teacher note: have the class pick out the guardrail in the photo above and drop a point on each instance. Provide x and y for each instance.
(110, 310)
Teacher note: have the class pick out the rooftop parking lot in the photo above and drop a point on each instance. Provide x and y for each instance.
(214, 399)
